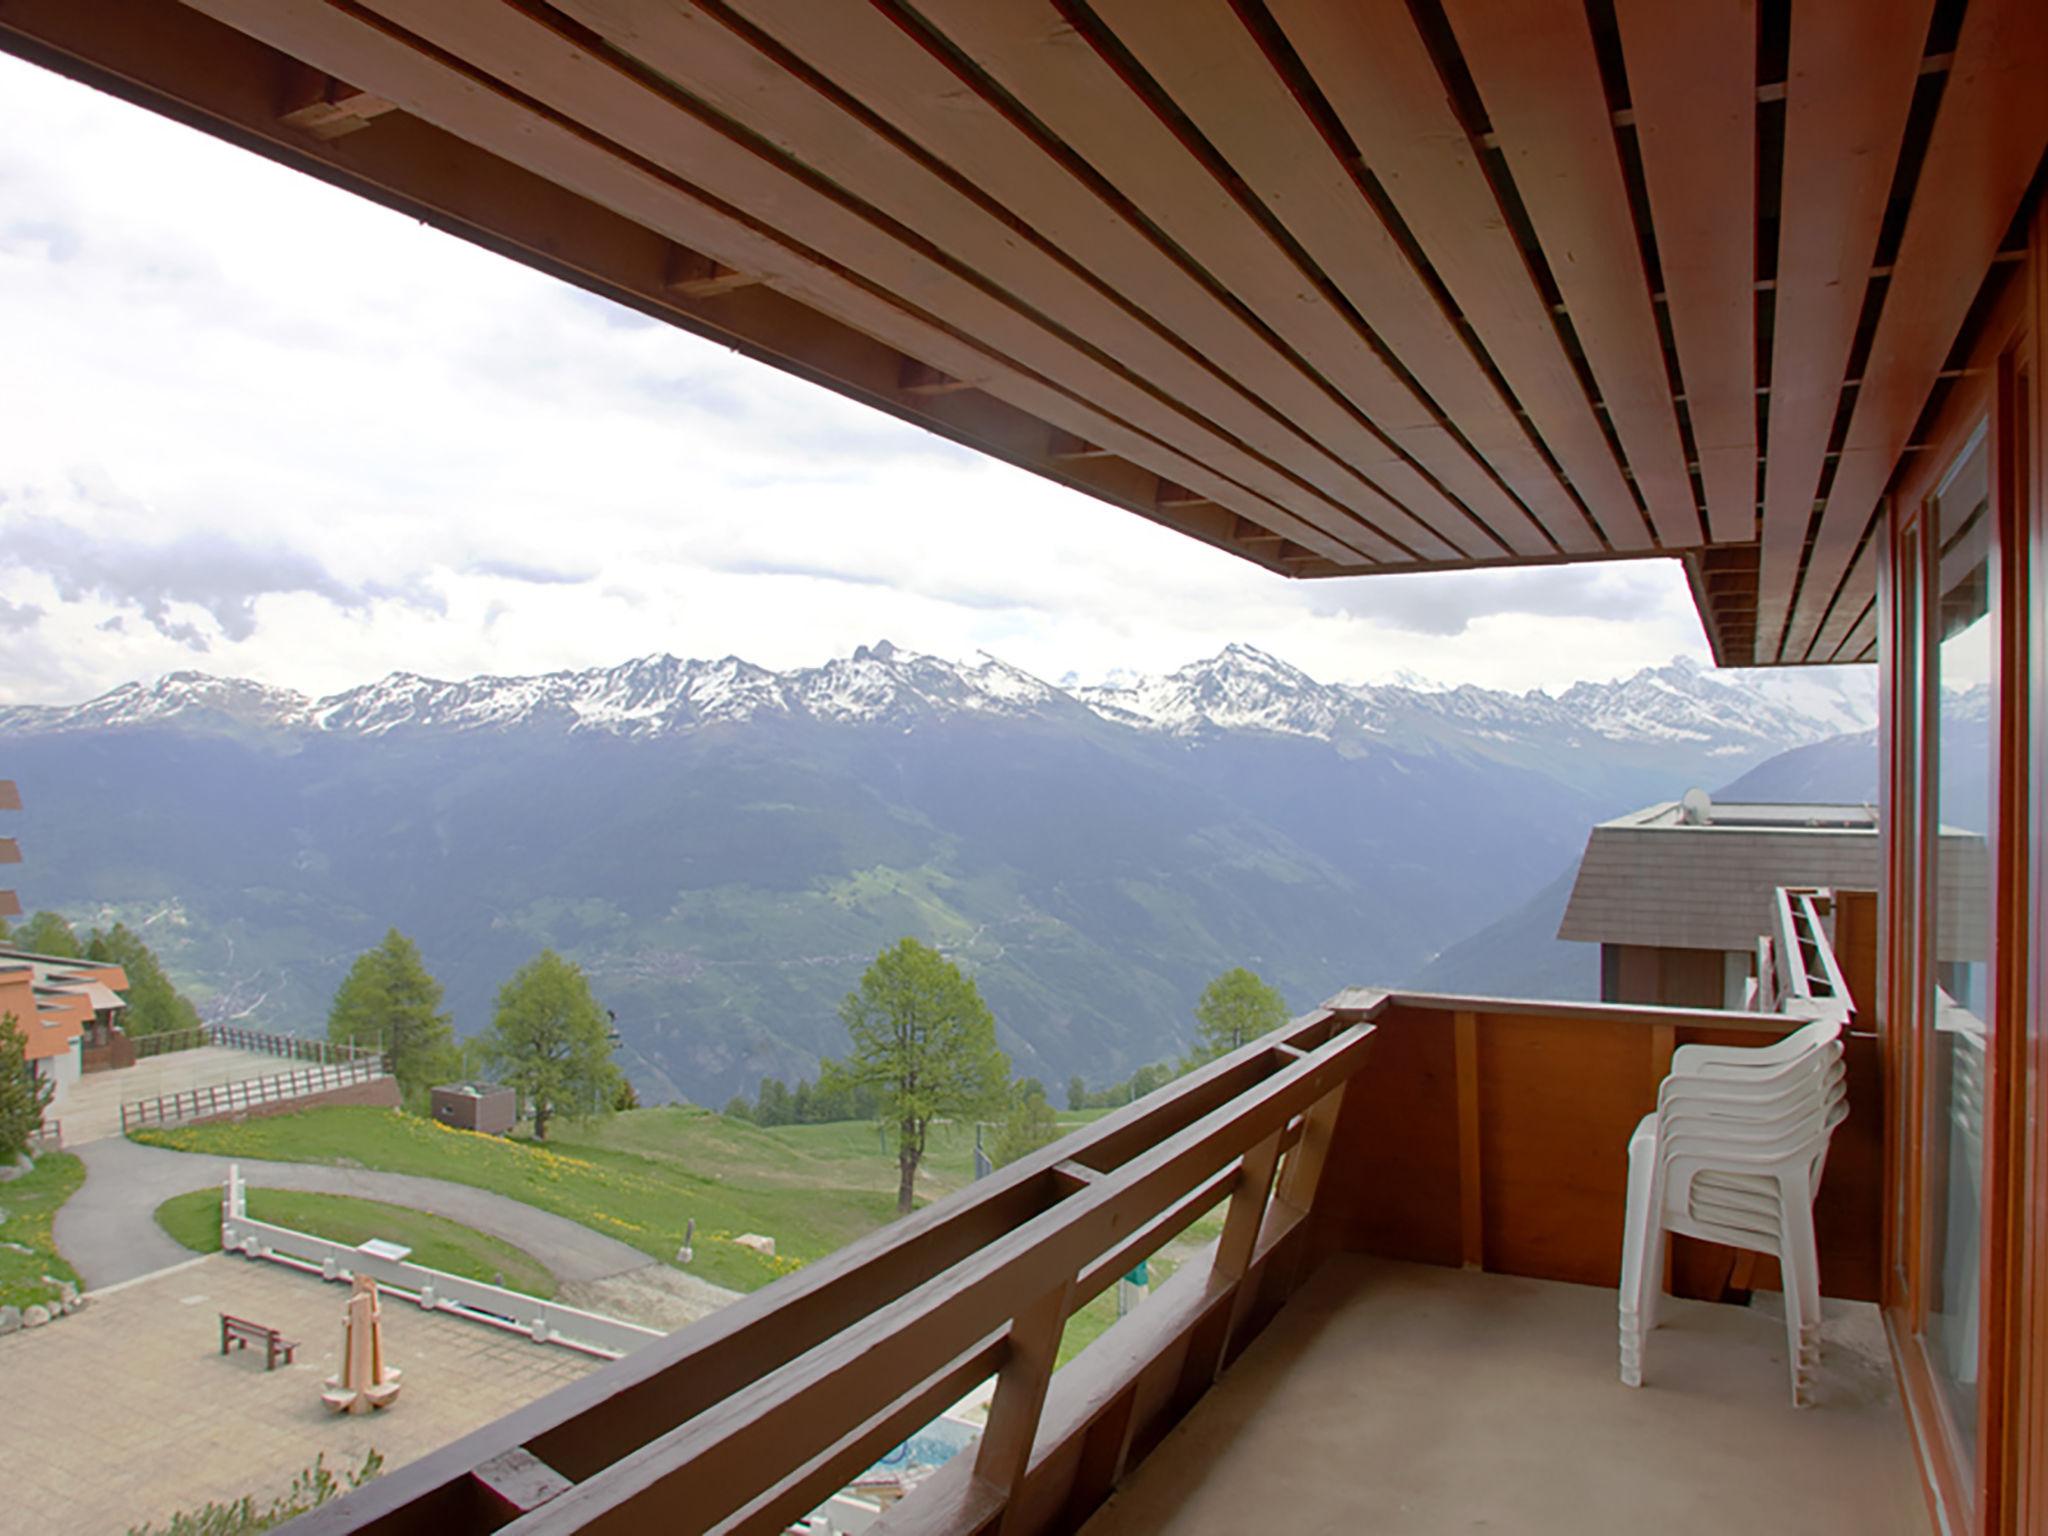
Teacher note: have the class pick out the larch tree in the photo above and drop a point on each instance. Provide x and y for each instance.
(924, 1044)
(390, 1002)
(550, 1040)
(1236, 1007)
(23, 1096)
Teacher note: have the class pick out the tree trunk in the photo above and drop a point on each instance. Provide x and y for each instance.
(540, 1119)
(906, 1168)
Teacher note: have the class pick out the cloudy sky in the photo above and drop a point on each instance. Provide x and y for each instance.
(255, 426)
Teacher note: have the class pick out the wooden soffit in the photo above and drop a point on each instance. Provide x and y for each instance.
(1340, 286)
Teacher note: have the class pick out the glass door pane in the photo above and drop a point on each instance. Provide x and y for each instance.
(1962, 705)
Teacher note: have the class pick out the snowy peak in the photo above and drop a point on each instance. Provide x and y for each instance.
(1240, 689)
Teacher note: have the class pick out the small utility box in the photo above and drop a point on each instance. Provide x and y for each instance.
(488, 1107)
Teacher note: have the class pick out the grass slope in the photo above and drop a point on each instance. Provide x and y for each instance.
(194, 1220)
(639, 1177)
(27, 1207)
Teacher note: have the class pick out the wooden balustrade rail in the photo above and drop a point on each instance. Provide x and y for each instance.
(748, 1420)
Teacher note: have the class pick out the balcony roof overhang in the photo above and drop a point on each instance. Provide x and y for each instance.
(1339, 288)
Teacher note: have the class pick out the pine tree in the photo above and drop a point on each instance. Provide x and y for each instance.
(551, 1041)
(23, 1096)
(389, 1002)
(925, 1042)
(1236, 1007)
(155, 1007)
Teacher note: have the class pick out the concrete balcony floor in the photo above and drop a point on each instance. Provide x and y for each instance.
(1400, 1398)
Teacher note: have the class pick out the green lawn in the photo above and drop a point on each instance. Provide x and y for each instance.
(641, 1175)
(27, 1207)
(194, 1220)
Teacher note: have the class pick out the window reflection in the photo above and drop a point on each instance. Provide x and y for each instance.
(1960, 1009)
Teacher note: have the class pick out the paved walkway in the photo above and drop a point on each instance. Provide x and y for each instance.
(108, 1233)
(126, 1411)
(91, 1107)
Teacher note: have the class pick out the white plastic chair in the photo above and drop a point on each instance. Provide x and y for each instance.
(1734, 1154)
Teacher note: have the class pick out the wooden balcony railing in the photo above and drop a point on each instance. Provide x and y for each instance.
(1444, 1129)
(756, 1415)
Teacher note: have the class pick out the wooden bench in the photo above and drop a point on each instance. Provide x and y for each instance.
(240, 1333)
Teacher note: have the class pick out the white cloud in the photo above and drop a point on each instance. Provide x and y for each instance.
(325, 443)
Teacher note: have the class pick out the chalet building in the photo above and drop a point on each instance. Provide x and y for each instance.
(1678, 895)
(1340, 289)
(64, 1009)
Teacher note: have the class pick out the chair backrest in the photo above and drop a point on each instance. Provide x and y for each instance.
(1720, 1060)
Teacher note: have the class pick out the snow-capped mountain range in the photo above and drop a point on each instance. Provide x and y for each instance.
(1240, 689)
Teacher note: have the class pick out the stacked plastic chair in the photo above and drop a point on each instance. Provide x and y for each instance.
(1734, 1154)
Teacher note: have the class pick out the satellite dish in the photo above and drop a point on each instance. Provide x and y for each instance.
(1697, 808)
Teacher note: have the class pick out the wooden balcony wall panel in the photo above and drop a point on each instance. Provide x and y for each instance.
(723, 194)
(10, 904)
(931, 102)
(1202, 54)
(1372, 66)
(187, 66)
(10, 796)
(1853, 68)
(1692, 86)
(1036, 57)
(954, 215)
(1401, 1123)
(1534, 64)
(1986, 146)
(1559, 1093)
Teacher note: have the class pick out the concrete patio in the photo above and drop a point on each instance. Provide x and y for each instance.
(126, 1411)
(92, 1106)
(1407, 1399)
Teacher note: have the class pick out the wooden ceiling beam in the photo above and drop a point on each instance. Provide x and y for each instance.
(1202, 55)
(695, 275)
(1535, 68)
(327, 108)
(1692, 79)
(1371, 65)
(1852, 71)
(634, 110)
(748, 81)
(1035, 56)
(193, 69)
(482, 112)
(935, 109)
(1988, 141)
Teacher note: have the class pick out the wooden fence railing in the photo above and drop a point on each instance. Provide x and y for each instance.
(262, 1041)
(173, 1040)
(753, 1417)
(229, 1098)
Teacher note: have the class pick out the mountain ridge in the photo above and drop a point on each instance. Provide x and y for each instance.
(1240, 688)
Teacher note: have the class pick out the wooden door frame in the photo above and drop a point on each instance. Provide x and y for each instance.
(2003, 1486)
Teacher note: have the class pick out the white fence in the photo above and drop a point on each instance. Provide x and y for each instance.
(545, 1322)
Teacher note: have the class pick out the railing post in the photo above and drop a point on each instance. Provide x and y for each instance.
(1005, 1452)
